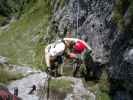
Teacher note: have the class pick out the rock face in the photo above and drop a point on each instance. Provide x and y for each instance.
(38, 79)
(93, 18)
(89, 18)
(25, 85)
(79, 91)
(121, 66)
(122, 57)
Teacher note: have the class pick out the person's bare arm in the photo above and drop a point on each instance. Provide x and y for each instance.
(87, 46)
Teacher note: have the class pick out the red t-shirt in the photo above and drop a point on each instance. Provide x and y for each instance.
(78, 47)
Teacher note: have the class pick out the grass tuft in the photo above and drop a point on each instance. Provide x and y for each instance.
(6, 76)
(22, 41)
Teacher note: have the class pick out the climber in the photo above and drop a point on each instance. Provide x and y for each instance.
(54, 52)
(78, 47)
(79, 51)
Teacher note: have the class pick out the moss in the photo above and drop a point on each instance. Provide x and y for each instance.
(2, 18)
(120, 8)
(102, 96)
(58, 88)
(130, 11)
(86, 97)
(100, 89)
(121, 24)
(6, 76)
(61, 85)
(62, 3)
(117, 14)
(67, 71)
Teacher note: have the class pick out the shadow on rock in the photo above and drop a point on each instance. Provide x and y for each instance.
(93, 70)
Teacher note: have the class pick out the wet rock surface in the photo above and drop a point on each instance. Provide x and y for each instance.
(79, 91)
(25, 85)
(3, 60)
(38, 79)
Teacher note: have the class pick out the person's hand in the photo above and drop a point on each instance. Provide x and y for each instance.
(72, 55)
(92, 53)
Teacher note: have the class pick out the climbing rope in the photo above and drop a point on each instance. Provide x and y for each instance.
(75, 23)
(46, 88)
(77, 15)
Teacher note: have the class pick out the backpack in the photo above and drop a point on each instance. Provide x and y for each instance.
(57, 48)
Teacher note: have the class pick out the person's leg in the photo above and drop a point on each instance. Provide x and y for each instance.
(88, 63)
(53, 68)
(76, 70)
(77, 66)
(60, 65)
(61, 69)
(47, 58)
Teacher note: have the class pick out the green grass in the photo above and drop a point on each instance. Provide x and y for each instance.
(67, 71)
(102, 96)
(62, 3)
(86, 97)
(6, 76)
(61, 85)
(22, 41)
(58, 88)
